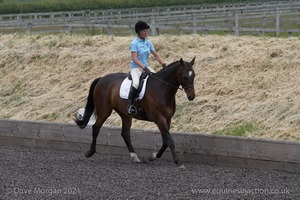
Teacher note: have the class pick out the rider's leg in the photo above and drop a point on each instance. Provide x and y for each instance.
(135, 74)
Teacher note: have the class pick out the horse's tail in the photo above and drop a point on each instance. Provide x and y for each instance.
(80, 120)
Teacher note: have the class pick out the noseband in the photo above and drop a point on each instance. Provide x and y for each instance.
(189, 86)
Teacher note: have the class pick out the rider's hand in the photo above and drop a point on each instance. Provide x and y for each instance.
(147, 71)
(164, 65)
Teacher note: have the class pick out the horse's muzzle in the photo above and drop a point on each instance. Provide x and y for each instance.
(191, 97)
(190, 93)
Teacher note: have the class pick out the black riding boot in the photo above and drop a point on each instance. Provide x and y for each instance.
(131, 109)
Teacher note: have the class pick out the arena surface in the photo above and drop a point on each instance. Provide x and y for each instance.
(41, 173)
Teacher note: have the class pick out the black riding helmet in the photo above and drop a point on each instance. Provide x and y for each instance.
(140, 25)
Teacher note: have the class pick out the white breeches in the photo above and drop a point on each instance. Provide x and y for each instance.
(136, 74)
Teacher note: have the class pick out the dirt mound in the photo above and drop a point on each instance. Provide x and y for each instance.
(247, 86)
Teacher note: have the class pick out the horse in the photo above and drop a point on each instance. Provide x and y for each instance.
(158, 105)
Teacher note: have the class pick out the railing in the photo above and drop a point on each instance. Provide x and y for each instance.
(255, 18)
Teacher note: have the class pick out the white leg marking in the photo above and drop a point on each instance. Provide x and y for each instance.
(154, 156)
(135, 157)
(181, 167)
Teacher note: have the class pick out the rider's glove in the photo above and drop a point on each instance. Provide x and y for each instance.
(147, 71)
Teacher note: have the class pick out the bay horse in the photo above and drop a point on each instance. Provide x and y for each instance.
(158, 104)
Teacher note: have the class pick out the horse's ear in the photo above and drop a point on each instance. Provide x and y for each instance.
(181, 61)
(193, 61)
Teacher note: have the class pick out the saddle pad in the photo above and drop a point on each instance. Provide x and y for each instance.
(125, 88)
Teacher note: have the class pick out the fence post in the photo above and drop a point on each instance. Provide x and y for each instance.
(227, 24)
(277, 21)
(153, 28)
(132, 30)
(180, 31)
(69, 29)
(194, 22)
(236, 24)
(109, 30)
(29, 28)
(263, 24)
(52, 18)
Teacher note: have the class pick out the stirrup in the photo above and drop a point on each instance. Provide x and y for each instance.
(132, 110)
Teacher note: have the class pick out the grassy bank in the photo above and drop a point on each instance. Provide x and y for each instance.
(245, 86)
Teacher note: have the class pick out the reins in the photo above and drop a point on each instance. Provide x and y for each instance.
(173, 86)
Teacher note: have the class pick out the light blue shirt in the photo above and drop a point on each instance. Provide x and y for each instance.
(143, 48)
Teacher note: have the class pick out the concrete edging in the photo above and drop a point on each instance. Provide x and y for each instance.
(192, 147)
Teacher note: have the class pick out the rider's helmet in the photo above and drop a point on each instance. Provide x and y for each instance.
(140, 25)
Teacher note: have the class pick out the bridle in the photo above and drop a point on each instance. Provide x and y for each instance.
(189, 86)
(173, 86)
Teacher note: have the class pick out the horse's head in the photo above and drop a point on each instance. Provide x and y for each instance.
(187, 78)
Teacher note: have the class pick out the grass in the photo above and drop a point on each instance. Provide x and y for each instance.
(238, 129)
(239, 80)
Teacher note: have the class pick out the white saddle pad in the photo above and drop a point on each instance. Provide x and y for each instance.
(125, 88)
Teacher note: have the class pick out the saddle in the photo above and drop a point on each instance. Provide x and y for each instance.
(126, 84)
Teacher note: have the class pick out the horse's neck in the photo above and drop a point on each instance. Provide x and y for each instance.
(169, 75)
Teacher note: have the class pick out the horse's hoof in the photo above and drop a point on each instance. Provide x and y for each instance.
(181, 167)
(89, 154)
(153, 157)
(135, 157)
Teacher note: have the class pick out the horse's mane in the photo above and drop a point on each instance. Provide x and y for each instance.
(167, 67)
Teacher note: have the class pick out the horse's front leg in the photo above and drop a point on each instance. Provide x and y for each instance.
(126, 124)
(167, 142)
(171, 144)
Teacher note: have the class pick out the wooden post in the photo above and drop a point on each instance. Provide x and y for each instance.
(227, 24)
(263, 24)
(157, 31)
(277, 21)
(109, 30)
(69, 29)
(180, 31)
(132, 30)
(194, 22)
(152, 27)
(29, 28)
(236, 24)
(87, 29)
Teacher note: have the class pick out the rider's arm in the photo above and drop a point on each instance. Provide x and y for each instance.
(135, 60)
(158, 58)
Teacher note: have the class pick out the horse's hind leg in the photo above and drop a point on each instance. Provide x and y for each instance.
(126, 124)
(96, 128)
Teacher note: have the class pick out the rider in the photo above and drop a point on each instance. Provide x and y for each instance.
(140, 49)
